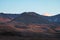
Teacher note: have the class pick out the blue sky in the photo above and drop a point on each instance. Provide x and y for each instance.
(38, 6)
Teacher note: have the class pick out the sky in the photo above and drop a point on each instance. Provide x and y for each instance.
(51, 7)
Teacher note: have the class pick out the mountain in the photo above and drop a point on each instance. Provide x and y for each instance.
(53, 19)
(7, 17)
(56, 18)
(30, 17)
(10, 16)
(34, 17)
(30, 24)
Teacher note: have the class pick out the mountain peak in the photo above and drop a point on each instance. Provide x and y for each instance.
(29, 13)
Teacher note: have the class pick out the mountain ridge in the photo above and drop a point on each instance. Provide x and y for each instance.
(29, 24)
(54, 18)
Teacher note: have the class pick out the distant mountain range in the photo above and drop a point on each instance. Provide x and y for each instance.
(31, 17)
(30, 23)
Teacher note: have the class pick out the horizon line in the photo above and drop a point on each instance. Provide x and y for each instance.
(23, 12)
